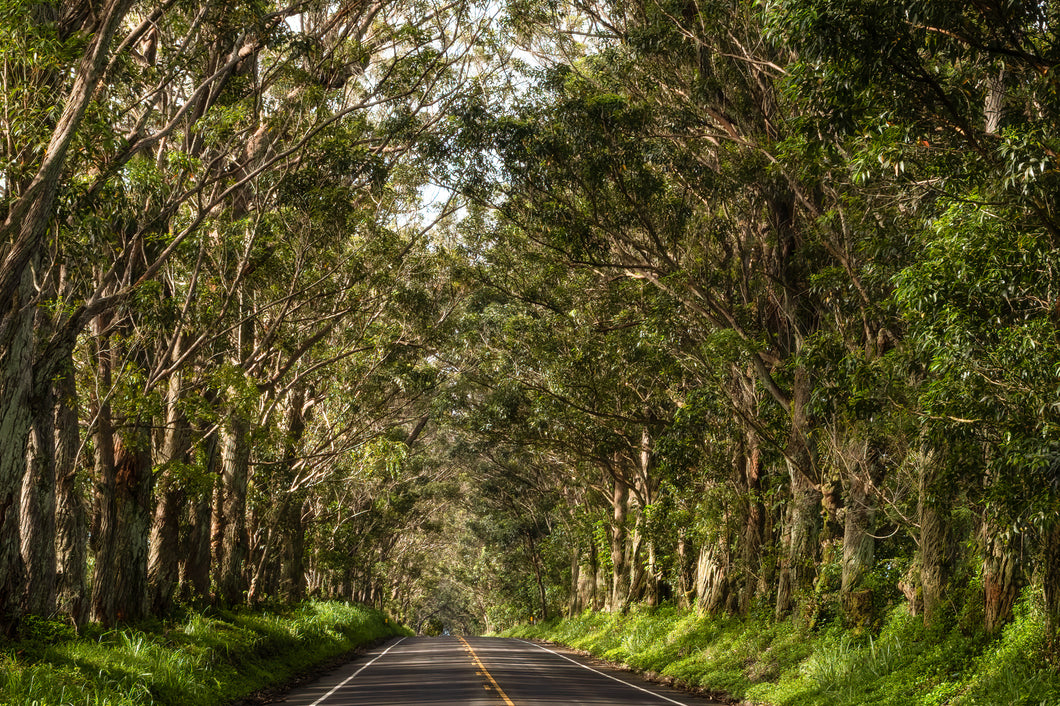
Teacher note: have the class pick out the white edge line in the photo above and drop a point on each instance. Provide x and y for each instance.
(346, 681)
(603, 674)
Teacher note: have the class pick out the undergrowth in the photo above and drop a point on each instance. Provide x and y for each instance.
(758, 660)
(208, 658)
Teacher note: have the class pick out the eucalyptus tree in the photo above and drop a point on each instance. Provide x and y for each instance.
(603, 181)
(669, 149)
(191, 119)
(282, 109)
(44, 57)
(513, 503)
(851, 206)
(569, 364)
(347, 484)
(947, 108)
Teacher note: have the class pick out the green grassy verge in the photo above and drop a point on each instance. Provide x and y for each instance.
(762, 661)
(207, 658)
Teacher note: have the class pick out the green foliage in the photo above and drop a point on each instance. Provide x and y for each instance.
(981, 324)
(786, 663)
(208, 658)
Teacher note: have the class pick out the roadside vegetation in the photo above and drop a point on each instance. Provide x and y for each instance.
(473, 310)
(202, 658)
(758, 660)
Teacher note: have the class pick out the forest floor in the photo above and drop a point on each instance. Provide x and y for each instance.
(757, 660)
(204, 658)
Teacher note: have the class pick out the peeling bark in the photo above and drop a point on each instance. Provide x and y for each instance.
(936, 541)
(71, 522)
(165, 550)
(712, 579)
(752, 538)
(1002, 577)
(803, 518)
(16, 377)
(235, 469)
(122, 506)
(859, 523)
(37, 516)
(619, 539)
(196, 544)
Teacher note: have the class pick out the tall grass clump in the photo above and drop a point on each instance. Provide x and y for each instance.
(207, 658)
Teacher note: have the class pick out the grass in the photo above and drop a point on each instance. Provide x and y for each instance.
(205, 659)
(758, 660)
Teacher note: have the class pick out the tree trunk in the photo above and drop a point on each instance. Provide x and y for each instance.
(124, 483)
(134, 486)
(936, 542)
(235, 467)
(712, 579)
(1002, 578)
(195, 556)
(21, 234)
(602, 590)
(71, 523)
(638, 577)
(165, 545)
(771, 533)
(799, 542)
(575, 604)
(803, 520)
(292, 506)
(52, 378)
(122, 522)
(535, 560)
(263, 553)
(859, 522)
(292, 559)
(686, 580)
(1051, 584)
(859, 548)
(16, 378)
(994, 102)
(104, 512)
(619, 533)
(752, 536)
(644, 579)
(217, 525)
(37, 517)
(654, 589)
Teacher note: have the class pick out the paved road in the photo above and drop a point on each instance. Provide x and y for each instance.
(479, 671)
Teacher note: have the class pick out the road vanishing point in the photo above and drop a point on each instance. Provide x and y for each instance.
(480, 671)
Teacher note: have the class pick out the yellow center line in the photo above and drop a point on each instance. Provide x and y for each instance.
(507, 701)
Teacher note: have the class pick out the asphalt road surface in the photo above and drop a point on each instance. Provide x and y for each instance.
(479, 671)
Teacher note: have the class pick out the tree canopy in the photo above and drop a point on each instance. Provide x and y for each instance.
(477, 311)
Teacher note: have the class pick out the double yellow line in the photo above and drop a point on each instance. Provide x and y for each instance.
(507, 701)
